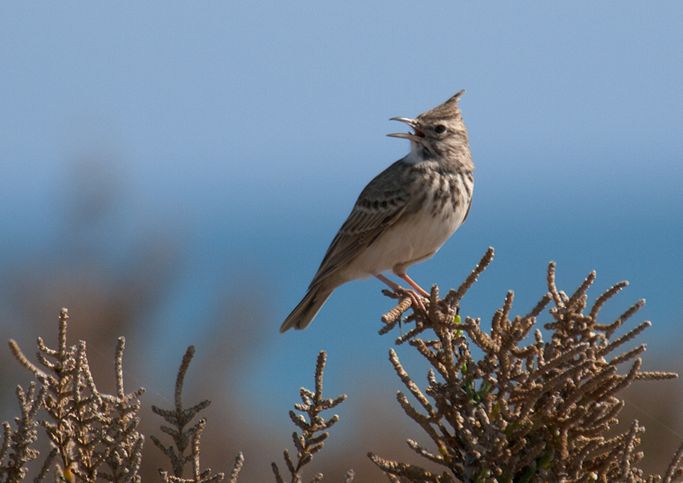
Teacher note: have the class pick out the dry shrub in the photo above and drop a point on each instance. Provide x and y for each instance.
(526, 410)
(512, 403)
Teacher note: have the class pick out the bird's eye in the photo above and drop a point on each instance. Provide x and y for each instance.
(440, 129)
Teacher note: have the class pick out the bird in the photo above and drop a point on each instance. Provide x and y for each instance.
(404, 215)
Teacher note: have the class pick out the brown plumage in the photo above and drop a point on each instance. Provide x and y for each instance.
(404, 214)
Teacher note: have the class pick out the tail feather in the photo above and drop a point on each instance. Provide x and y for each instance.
(304, 313)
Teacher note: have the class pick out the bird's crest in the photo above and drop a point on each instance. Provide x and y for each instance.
(445, 110)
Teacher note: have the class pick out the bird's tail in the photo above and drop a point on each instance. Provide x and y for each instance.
(308, 308)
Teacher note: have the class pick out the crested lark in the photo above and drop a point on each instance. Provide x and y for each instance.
(404, 214)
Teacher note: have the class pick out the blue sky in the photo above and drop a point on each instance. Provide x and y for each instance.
(250, 128)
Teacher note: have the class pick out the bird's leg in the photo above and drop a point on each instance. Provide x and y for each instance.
(414, 284)
(415, 298)
(392, 285)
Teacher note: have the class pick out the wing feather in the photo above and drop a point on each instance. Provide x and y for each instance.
(379, 205)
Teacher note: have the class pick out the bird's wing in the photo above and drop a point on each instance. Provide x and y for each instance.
(378, 207)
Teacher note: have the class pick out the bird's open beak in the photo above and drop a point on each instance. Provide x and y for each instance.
(407, 120)
(416, 136)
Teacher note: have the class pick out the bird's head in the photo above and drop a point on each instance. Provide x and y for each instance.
(439, 130)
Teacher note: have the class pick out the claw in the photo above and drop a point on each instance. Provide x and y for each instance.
(417, 301)
(416, 298)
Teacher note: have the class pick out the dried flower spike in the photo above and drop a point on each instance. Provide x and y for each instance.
(312, 426)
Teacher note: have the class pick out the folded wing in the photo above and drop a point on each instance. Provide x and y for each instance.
(378, 207)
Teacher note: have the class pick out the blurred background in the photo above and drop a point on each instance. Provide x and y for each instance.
(173, 172)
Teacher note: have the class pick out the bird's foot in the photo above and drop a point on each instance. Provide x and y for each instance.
(416, 297)
(416, 300)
